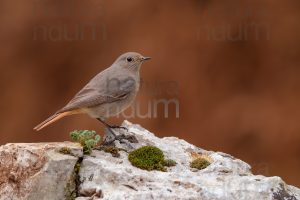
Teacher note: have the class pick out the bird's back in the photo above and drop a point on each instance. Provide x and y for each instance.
(111, 85)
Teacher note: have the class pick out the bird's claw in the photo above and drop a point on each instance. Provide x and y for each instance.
(113, 137)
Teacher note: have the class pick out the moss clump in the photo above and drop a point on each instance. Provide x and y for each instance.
(169, 163)
(199, 163)
(114, 151)
(65, 150)
(87, 139)
(149, 158)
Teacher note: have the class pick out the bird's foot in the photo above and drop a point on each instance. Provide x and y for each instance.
(121, 138)
(111, 137)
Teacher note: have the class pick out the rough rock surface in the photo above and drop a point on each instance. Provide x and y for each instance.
(114, 178)
(39, 171)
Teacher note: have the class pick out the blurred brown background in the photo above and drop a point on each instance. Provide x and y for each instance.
(235, 65)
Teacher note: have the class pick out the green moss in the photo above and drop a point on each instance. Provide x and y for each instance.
(77, 168)
(87, 139)
(199, 163)
(70, 194)
(149, 158)
(169, 163)
(71, 189)
(114, 151)
(65, 150)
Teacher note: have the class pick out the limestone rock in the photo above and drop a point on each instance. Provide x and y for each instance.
(113, 178)
(41, 172)
(37, 171)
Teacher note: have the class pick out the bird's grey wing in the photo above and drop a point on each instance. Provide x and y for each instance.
(91, 96)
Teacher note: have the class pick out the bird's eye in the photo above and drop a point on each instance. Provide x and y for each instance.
(129, 59)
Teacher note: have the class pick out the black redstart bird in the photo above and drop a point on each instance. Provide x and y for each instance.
(107, 94)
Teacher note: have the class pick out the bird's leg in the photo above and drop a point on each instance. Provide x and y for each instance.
(121, 138)
(111, 126)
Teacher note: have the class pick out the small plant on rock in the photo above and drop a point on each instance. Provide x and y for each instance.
(200, 161)
(65, 150)
(88, 139)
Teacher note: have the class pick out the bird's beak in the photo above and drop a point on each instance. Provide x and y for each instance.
(146, 58)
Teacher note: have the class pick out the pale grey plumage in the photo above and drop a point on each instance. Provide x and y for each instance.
(104, 88)
(108, 93)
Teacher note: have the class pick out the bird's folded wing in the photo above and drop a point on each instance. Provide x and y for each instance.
(90, 101)
(88, 97)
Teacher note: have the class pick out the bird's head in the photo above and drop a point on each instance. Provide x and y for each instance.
(131, 61)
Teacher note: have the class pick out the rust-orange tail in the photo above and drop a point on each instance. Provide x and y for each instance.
(54, 118)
